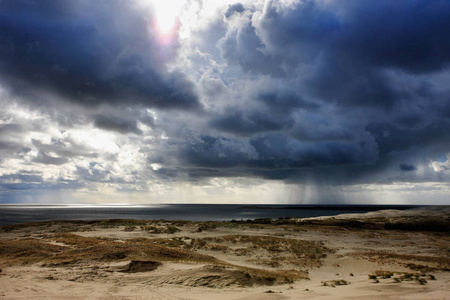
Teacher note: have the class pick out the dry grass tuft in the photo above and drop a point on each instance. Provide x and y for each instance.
(433, 263)
(28, 251)
(401, 276)
(77, 248)
(334, 283)
(280, 250)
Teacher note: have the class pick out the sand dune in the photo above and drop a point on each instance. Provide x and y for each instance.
(378, 255)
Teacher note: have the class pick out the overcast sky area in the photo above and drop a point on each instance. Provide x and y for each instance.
(202, 101)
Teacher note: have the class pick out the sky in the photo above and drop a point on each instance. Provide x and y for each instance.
(203, 101)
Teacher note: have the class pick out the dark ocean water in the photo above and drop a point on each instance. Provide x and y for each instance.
(13, 214)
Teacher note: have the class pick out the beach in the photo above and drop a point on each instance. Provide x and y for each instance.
(389, 254)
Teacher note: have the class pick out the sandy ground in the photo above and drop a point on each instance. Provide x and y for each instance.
(315, 258)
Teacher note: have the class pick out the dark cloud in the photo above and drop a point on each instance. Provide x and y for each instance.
(89, 53)
(216, 152)
(407, 168)
(147, 119)
(391, 138)
(285, 101)
(8, 129)
(99, 173)
(235, 8)
(44, 158)
(340, 51)
(280, 150)
(351, 85)
(412, 35)
(10, 146)
(62, 148)
(94, 173)
(409, 120)
(116, 124)
(271, 156)
(238, 123)
(241, 46)
(408, 35)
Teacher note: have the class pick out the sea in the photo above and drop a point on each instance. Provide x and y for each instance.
(15, 214)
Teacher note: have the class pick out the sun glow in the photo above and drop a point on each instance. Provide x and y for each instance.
(176, 19)
(166, 15)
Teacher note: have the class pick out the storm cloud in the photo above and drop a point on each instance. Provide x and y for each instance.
(89, 54)
(336, 95)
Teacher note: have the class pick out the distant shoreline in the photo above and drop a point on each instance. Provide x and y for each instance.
(189, 212)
